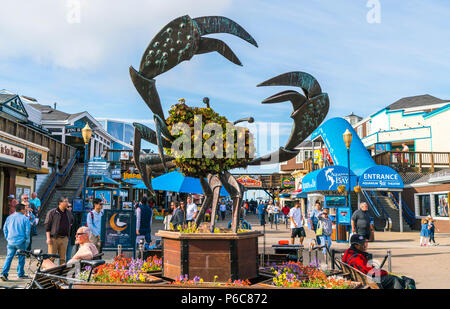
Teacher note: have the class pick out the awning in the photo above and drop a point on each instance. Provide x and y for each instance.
(328, 179)
(105, 180)
(177, 182)
(380, 177)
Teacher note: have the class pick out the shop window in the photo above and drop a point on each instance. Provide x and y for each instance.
(441, 204)
(424, 205)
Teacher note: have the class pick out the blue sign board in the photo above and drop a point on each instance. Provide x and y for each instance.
(380, 176)
(344, 215)
(328, 179)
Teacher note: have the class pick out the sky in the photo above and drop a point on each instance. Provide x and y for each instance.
(366, 54)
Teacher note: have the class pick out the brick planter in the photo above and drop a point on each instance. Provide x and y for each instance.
(225, 255)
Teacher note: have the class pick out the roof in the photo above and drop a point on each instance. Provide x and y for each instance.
(353, 115)
(426, 178)
(6, 97)
(49, 113)
(415, 101)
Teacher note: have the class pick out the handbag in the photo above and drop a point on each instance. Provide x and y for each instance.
(319, 229)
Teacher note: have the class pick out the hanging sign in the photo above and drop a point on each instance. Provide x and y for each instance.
(248, 181)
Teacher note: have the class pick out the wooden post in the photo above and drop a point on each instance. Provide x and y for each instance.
(420, 162)
(400, 211)
(432, 162)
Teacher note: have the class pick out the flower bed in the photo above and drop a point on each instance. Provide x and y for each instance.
(296, 275)
(184, 281)
(125, 270)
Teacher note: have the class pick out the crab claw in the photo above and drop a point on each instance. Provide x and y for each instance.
(181, 39)
(309, 111)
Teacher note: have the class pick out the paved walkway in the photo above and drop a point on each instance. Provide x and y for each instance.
(428, 266)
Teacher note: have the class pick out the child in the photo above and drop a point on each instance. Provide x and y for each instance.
(424, 232)
(167, 219)
(431, 228)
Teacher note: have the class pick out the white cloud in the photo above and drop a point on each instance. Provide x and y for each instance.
(44, 30)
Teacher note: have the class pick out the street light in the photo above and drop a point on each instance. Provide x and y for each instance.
(348, 140)
(87, 134)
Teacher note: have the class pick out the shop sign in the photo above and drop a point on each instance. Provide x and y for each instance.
(105, 196)
(118, 228)
(73, 130)
(344, 215)
(288, 182)
(124, 155)
(116, 173)
(131, 177)
(12, 152)
(248, 181)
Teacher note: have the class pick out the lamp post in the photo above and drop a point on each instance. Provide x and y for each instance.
(348, 140)
(87, 134)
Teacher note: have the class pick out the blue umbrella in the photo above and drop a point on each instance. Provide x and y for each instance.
(177, 182)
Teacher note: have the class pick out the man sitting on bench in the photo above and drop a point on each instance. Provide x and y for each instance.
(357, 257)
(86, 251)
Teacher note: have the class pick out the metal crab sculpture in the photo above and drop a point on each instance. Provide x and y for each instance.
(179, 41)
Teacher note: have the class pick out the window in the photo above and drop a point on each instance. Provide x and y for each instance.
(116, 129)
(129, 134)
(360, 131)
(441, 205)
(424, 205)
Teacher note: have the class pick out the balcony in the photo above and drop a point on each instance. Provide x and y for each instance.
(414, 160)
(59, 153)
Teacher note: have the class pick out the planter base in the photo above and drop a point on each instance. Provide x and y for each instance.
(210, 256)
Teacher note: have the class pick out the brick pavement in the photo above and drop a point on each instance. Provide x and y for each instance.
(428, 266)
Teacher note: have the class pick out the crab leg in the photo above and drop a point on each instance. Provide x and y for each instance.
(308, 112)
(211, 188)
(236, 192)
(208, 45)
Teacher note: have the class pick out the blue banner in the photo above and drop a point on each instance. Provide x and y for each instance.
(328, 179)
(380, 176)
(344, 215)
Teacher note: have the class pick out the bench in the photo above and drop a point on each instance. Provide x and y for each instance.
(62, 276)
(356, 275)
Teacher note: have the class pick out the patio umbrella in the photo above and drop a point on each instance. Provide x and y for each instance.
(177, 182)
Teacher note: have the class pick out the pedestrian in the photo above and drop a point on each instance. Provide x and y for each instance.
(357, 256)
(325, 225)
(12, 202)
(178, 217)
(361, 222)
(37, 204)
(313, 220)
(269, 210)
(17, 230)
(144, 217)
(168, 216)
(191, 210)
(276, 212)
(285, 210)
(261, 212)
(58, 223)
(424, 232)
(296, 218)
(245, 206)
(94, 223)
(431, 229)
(30, 216)
(73, 231)
(223, 210)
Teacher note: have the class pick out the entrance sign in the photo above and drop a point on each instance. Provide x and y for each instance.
(380, 176)
(118, 228)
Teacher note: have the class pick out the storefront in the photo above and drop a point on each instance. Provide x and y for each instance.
(430, 196)
(325, 185)
(20, 162)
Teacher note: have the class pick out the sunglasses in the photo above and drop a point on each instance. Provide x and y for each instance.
(79, 234)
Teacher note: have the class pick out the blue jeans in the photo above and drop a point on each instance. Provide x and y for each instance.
(326, 241)
(10, 252)
(69, 251)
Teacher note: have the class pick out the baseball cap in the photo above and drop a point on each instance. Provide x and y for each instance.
(358, 239)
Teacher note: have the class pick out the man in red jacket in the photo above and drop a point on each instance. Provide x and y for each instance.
(357, 257)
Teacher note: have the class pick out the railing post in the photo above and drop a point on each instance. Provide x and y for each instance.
(420, 162)
(432, 162)
(400, 212)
